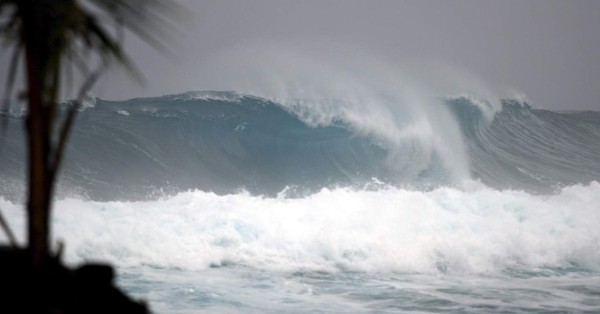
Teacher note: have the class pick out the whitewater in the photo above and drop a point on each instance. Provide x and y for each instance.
(229, 202)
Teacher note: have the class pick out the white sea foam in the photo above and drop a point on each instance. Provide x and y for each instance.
(88, 102)
(388, 230)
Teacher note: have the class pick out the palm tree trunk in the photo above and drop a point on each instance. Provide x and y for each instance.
(38, 198)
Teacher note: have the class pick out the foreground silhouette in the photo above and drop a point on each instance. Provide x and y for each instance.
(52, 38)
(58, 289)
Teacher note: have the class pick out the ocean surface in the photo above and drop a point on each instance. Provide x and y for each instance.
(225, 202)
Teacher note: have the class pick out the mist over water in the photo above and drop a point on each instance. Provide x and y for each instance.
(398, 106)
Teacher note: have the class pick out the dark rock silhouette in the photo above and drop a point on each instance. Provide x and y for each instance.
(58, 289)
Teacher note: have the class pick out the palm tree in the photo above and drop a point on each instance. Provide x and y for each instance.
(53, 36)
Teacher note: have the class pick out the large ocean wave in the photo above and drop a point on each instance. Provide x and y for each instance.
(226, 142)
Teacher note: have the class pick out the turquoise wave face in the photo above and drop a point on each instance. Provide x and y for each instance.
(226, 142)
(530, 149)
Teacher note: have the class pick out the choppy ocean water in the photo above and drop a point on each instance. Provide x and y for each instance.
(242, 290)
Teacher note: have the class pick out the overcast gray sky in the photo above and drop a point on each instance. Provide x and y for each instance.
(547, 50)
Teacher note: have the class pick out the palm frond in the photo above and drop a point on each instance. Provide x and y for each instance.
(56, 35)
